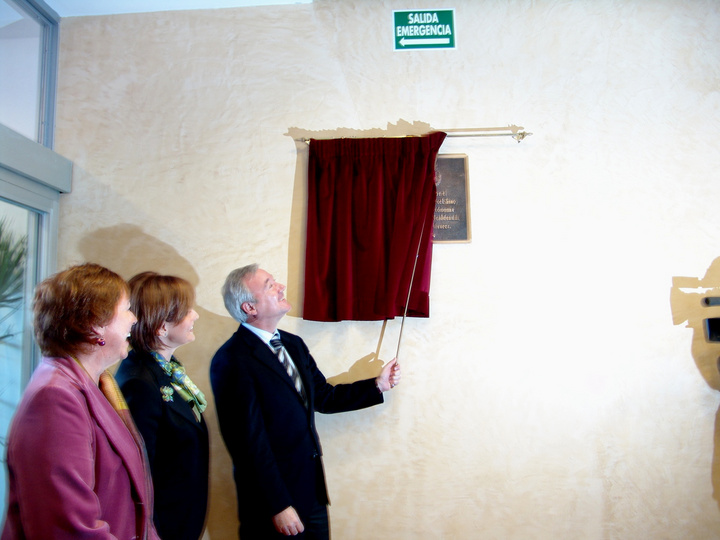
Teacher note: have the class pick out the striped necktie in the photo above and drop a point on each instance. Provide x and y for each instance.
(287, 363)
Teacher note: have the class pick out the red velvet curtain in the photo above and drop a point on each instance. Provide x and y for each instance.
(371, 204)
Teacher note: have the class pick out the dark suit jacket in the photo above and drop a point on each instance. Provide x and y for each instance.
(177, 447)
(74, 469)
(269, 433)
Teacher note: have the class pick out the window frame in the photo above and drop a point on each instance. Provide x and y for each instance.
(33, 176)
(49, 20)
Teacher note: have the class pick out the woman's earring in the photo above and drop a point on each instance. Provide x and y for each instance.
(101, 342)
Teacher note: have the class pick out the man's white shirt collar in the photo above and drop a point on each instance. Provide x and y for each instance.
(264, 335)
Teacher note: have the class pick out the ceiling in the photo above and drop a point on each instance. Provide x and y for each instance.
(76, 8)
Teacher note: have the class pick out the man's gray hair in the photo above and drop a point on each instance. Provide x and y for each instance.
(235, 293)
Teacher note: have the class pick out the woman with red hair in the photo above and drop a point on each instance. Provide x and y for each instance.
(76, 463)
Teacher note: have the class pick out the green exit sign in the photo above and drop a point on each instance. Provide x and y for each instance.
(424, 29)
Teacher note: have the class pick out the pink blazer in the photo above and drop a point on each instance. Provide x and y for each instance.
(74, 469)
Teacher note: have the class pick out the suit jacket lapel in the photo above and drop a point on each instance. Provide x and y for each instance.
(262, 353)
(117, 433)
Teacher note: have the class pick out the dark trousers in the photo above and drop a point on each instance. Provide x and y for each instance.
(316, 522)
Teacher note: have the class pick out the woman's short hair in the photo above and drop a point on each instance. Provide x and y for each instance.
(69, 306)
(155, 299)
(235, 293)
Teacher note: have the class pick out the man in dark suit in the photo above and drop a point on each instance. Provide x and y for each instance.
(266, 395)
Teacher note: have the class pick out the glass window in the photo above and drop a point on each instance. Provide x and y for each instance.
(29, 206)
(21, 230)
(31, 180)
(17, 233)
(28, 65)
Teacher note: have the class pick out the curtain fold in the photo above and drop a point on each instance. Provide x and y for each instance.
(371, 204)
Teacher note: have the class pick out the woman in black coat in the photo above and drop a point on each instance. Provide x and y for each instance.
(166, 405)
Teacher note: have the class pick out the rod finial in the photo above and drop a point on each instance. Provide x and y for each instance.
(520, 135)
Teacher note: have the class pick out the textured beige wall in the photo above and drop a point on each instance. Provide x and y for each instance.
(554, 393)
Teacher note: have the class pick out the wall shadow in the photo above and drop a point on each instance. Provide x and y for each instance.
(365, 368)
(692, 302)
(128, 250)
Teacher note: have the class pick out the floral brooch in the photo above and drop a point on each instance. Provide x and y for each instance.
(167, 393)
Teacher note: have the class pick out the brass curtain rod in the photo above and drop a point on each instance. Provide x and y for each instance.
(516, 132)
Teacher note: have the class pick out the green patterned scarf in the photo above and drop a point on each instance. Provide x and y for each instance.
(181, 384)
